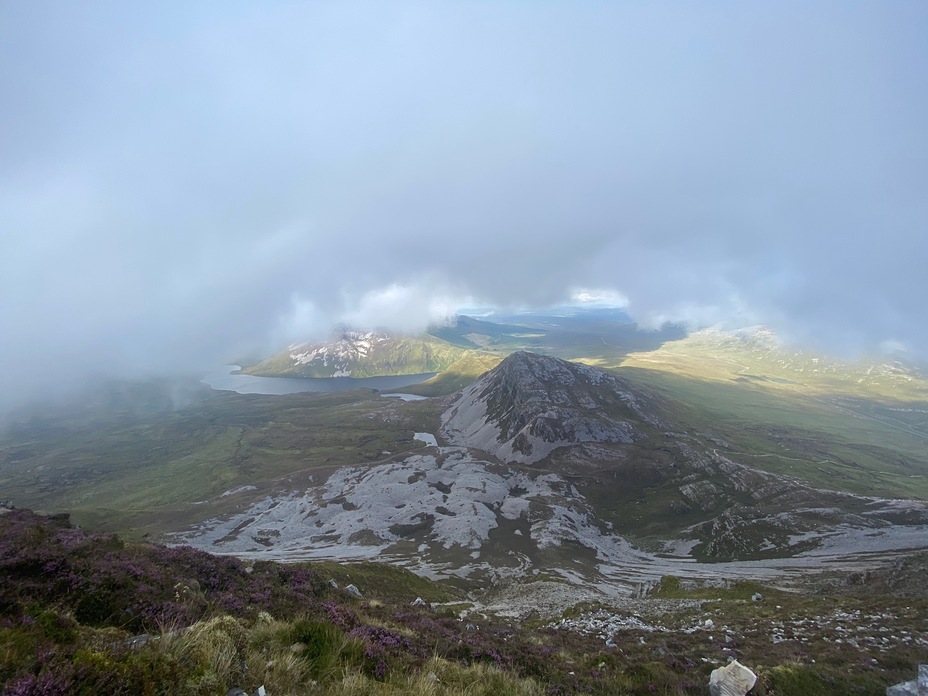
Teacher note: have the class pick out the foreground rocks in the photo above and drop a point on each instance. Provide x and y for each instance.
(734, 679)
(916, 687)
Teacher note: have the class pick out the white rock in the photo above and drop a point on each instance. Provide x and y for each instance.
(351, 589)
(916, 687)
(734, 679)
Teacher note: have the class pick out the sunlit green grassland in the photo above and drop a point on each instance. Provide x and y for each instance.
(855, 426)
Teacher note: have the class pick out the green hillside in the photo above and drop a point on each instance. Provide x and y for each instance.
(139, 472)
(855, 426)
(356, 354)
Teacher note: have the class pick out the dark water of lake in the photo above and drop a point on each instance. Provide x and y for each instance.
(223, 380)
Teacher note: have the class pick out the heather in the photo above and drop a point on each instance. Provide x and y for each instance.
(86, 613)
(82, 612)
(103, 582)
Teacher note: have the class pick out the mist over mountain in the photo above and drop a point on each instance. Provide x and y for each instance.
(352, 353)
(651, 277)
(228, 180)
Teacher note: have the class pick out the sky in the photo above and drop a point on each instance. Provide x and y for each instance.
(185, 182)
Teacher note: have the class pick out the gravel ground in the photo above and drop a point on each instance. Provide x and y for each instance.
(551, 599)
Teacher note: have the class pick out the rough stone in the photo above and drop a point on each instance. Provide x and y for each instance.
(916, 687)
(351, 589)
(734, 679)
(139, 641)
(530, 405)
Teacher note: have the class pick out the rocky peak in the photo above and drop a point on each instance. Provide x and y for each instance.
(531, 404)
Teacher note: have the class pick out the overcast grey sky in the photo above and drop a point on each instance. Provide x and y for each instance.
(182, 181)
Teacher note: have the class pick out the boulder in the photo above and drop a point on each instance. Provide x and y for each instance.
(351, 589)
(916, 687)
(734, 679)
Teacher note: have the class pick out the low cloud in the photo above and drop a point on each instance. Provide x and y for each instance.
(205, 182)
(598, 296)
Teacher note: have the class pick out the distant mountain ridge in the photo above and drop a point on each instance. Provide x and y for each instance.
(360, 354)
(571, 333)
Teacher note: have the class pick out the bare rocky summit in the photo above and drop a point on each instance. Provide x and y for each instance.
(532, 404)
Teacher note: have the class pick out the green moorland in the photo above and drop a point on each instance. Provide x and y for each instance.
(860, 427)
(459, 374)
(756, 356)
(89, 613)
(116, 468)
(130, 458)
(798, 435)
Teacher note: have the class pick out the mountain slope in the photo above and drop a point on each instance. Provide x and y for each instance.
(531, 404)
(756, 356)
(861, 426)
(554, 468)
(90, 613)
(541, 467)
(361, 354)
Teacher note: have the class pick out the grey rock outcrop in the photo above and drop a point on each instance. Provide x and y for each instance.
(235, 691)
(529, 405)
(352, 589)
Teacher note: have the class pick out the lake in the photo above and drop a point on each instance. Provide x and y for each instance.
(223, 379)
